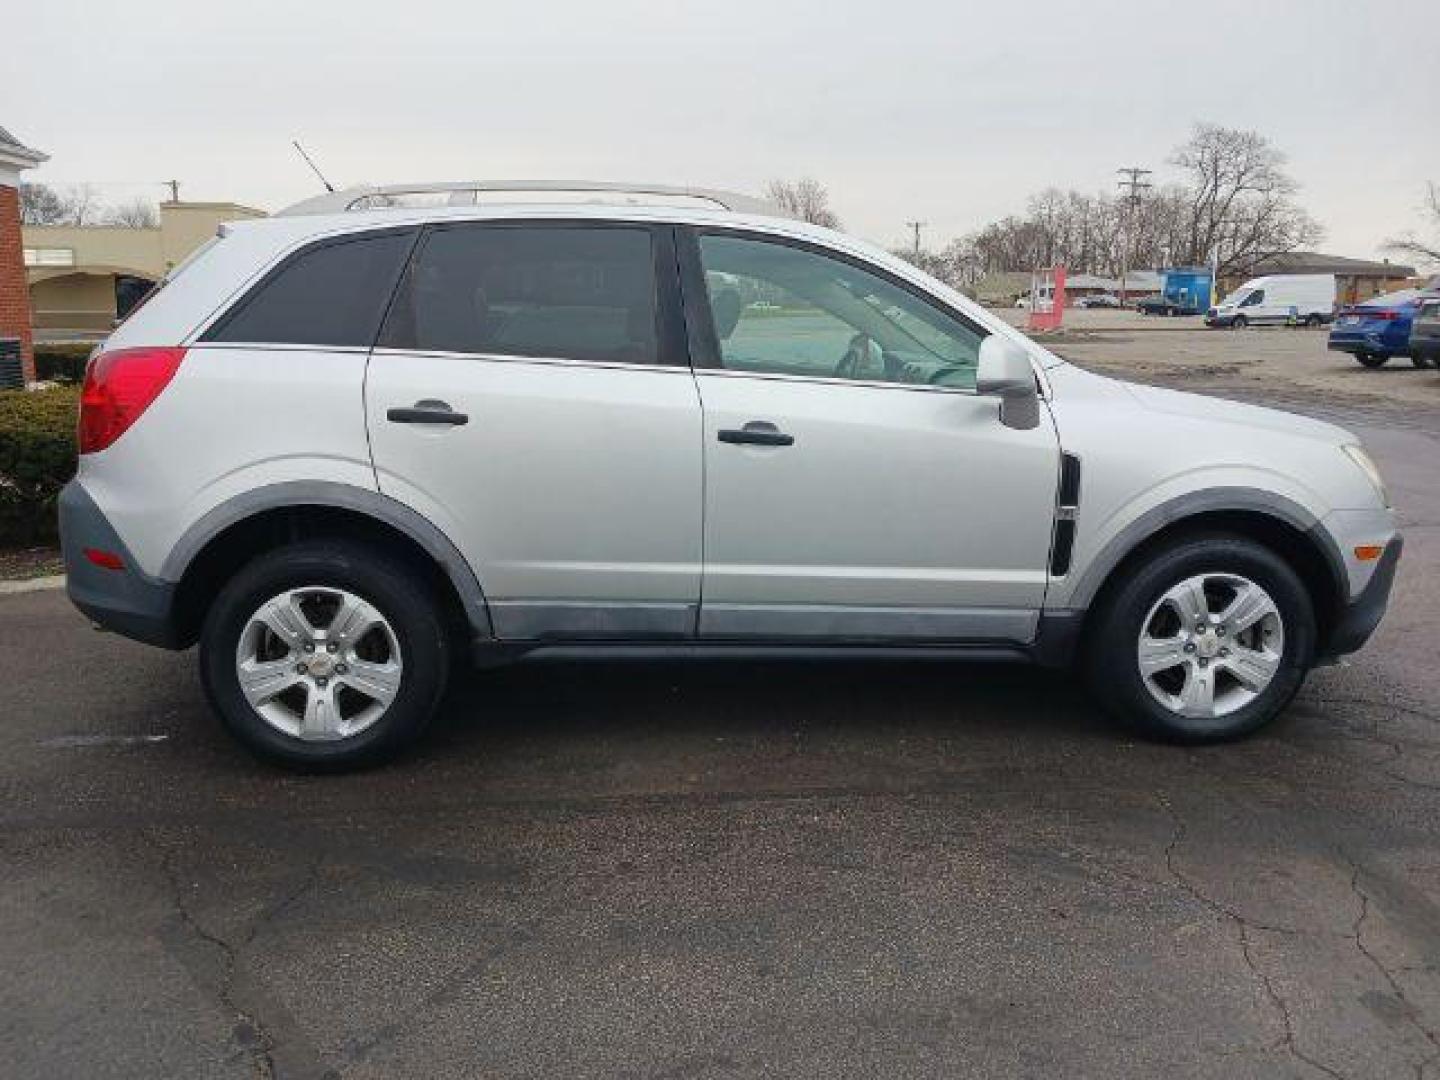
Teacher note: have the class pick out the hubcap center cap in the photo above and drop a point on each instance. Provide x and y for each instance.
(1207, 644)
(321, 664)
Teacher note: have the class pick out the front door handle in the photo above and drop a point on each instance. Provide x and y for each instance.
(427, 412)
(756, 433)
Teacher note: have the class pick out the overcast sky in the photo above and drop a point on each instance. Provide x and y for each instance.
(945, 111)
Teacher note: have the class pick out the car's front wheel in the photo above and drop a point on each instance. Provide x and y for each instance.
(1422, 360)
(1207, 640)
(1372, 360)
(1240, 322)
(325, 655)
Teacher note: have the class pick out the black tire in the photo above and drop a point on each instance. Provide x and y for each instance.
(394, 588)
(1314, 322)
(1240, 322)
(1421, 360)
(1372, 360)
(1111, 664)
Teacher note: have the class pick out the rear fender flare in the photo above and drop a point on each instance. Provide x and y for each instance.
(345, 497)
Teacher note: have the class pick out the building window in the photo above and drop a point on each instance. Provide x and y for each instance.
(49, 256)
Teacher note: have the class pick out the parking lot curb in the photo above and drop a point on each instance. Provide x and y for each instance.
(39, 584)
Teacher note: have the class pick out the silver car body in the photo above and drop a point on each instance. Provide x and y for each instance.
(592, 501)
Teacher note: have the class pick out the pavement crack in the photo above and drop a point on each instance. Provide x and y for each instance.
(1244, 928)
(1412, 1012)
(250, 1031)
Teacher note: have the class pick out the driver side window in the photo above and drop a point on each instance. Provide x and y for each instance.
(782, 310)
(1256, 297)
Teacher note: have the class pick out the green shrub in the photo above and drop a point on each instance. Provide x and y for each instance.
(62, 361)
(37, 457)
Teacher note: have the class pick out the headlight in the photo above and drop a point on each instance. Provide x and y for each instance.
(1367, 466)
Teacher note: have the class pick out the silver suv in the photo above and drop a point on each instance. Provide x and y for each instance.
(348, 445)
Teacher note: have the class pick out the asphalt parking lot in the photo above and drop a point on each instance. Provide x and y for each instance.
(723, 870)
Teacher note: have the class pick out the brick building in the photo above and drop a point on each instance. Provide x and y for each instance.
(15, 157)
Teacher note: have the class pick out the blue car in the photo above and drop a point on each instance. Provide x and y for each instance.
(1378, 329)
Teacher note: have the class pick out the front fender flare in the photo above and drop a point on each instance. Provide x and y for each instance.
(1210, 500)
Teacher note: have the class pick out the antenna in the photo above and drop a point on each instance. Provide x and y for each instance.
(328, 186)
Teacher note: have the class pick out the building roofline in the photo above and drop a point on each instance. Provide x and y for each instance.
(186, 204)
(16, 154)
(1333, 264)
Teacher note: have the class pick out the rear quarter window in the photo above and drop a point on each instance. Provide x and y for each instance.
(332, 293)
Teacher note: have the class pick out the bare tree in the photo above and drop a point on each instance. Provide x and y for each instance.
(1241, 207)
(82, 204)
(1426, 252)
(805, 198)
(41, 205)
(138, 213)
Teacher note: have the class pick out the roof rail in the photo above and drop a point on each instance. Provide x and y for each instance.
(375, 197)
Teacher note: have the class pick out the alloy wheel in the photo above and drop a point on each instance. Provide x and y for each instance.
(319, 663)
(1211, 645)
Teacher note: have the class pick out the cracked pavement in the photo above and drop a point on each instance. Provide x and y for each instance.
(731, 870)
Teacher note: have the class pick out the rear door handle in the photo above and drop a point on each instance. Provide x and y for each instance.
(756, 433)
(427, 412)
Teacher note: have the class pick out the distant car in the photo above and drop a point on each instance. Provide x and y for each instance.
(1378, 329)
(1159, 305)
(1100, 300)
(1425, 333)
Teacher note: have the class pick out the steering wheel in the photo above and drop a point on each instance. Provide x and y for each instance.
(856, 358)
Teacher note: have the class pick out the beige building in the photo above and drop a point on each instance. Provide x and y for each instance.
(83, 277)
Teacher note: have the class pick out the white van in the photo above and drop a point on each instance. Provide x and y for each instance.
(1288, 299)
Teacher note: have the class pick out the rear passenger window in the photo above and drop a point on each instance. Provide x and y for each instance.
(569, 292)
(334, 294)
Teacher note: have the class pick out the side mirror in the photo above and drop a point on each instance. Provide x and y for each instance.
(1005, 372)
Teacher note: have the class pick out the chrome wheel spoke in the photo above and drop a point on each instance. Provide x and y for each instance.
(1197, 696)
(1251, 604)
(1189, 599)
(378, 682)
(264, 680)
(1161, 654)
(354, 618)
(321, 719)
(287, 621)
(1253, 668)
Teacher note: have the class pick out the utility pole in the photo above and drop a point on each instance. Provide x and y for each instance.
(916, 226)
(1132, 185)
(174, 186)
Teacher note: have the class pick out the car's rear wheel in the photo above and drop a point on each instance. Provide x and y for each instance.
(1314, 322)
(325, 655)
(1240, 322)
(1207, 640)
(1372, 360)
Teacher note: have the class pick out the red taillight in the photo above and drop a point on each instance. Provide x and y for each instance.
(119, 386)
(1376, 314)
